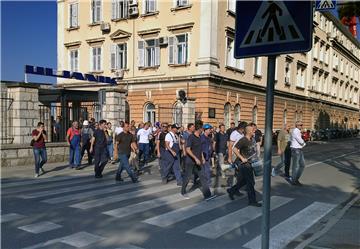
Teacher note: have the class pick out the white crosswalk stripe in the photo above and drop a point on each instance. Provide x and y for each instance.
(218, 227)
(117, 198)
(184, 213)
(66, 190)
(146, 205)
(294, 226)
(40, 227)
(10, 217)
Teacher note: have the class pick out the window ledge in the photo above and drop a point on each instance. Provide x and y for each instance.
(94, 24)
(181, 7)
(235, 69)
(145, 68)
(231, 13)
(150, 14)
(180, 65)
(300, 87)
(123, 69)
(119, 19)
(96, 72)
(257, 76)
(73, 28)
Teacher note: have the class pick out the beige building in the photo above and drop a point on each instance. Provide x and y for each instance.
(162, 47)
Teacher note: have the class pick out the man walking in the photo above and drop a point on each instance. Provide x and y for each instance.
(172, 155)
(284, 151)
(207, 150)
(126, 143)
(221, 139)
(38, 142)
(144, 136)
(298, 162)
(86, 136)
(235, 136)
(161, 150)
(99, 146)
(243, 151)
(194, 163)
(73, 140)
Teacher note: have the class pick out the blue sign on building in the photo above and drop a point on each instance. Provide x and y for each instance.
(273, 27)
(325, 5)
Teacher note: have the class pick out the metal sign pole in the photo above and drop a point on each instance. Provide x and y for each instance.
(267, 152)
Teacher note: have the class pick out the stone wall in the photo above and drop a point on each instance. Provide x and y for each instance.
(22, 155)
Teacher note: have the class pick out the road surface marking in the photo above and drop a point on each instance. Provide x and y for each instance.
(184, 213)
(40, 227)
(147, 205)
(91, 193)
(121, 197)
(289, 229)
(220, 226)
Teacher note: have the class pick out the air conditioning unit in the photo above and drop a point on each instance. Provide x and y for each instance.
(133, 3)
(133, 11)
(163, 41)
(105, 26)
(119, 73)
(287, 81)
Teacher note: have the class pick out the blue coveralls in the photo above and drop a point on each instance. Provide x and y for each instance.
(171, 162)
(75, 155)
(206, 146)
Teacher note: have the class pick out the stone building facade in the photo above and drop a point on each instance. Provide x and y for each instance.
(188, 45)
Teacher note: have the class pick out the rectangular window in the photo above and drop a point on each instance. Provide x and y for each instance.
(321, 53)
(315, 49)
(327, 56)
(300, 76)
(355, 97)
(96, 11)
(180, 3)
(232, 5)
(257, 66)
(287, 72)
(118, 56)
(342, 66)
(120, 9)
(149, 6)
(96, 59)
(74, 60)
(149, 53)
(230, 59)
(74, 19)
(181, 48)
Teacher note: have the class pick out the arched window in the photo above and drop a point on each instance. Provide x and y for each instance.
(237, 114)
(149, 115)
(285, 117)
(127, 112)
(227, 115)
(254, 114)
(177, 113)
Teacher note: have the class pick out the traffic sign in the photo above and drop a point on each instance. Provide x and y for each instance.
(272, 27)
(325, 5)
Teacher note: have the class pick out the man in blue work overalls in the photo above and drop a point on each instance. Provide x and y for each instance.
(172, 154)
(207, 150)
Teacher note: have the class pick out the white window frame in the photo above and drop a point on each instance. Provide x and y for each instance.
(74, 61)
(181, 3)
(287, 71)
(230, 59)
(150, 114)
(257, 66)
(175, 46)
(119, 9)
(143, 53)
(149, 6)
(116, 60)
(94, 9)
(237, 114)
(300, 76)
(98, 65)
(232, 5)
(73, 19)
(227, 114)
(315, 49)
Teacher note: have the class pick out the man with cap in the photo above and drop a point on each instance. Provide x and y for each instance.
(207, 150)
(86, 136)
(235, 136)
(172, 155)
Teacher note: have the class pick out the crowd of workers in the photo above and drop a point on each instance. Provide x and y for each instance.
(192, 154)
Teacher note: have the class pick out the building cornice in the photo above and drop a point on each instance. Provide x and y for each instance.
(149, 31)
(96, 40)
(189, 25)
(72, 44)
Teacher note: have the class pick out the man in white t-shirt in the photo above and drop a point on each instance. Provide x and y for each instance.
(172, 155)
(144, 135)
(235, 136)
(120, 128)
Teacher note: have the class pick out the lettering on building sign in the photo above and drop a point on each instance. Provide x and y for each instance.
(69, 75)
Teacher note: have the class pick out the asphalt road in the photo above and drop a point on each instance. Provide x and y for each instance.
(70, 209)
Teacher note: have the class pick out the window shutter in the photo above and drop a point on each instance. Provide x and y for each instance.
(144, 3)
(141, 53)
(152, 5)
(175, 3)
(125, 56)
(98, 10)
(75, 12)
(113, 9)
(171, 50)
(157, 52)
(187, 48)
(113, 64)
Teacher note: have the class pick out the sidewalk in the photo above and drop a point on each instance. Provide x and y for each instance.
(345, 234)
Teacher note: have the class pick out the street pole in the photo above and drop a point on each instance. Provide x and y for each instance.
(267, 152)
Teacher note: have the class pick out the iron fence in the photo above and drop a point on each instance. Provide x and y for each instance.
(6, 133)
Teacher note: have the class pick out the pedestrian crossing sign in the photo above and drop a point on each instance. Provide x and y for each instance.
(325, 5)
(272, 27)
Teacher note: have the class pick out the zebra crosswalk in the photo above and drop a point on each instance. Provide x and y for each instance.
(150, 205)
